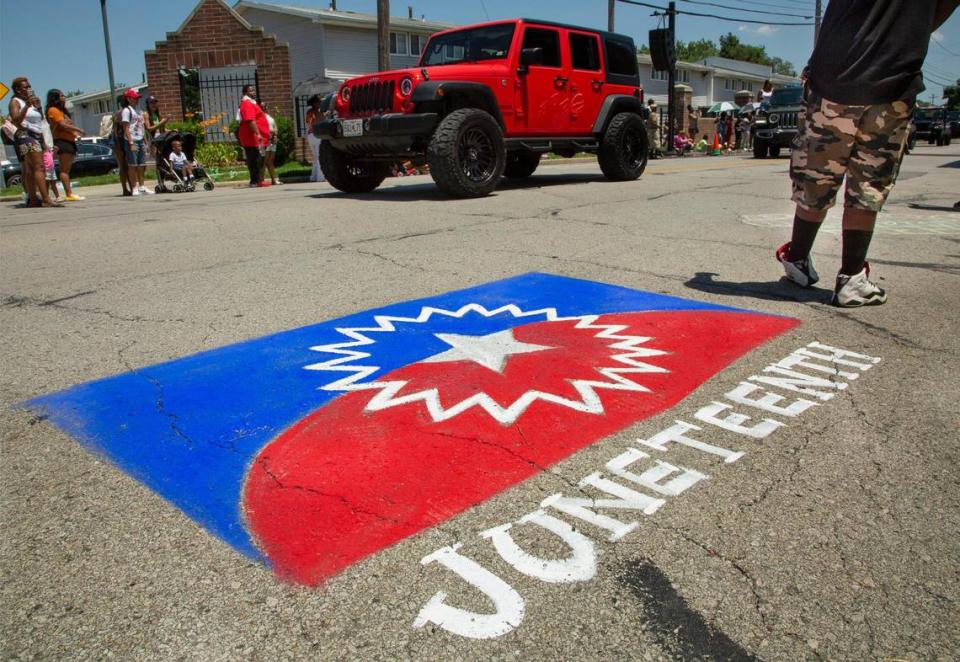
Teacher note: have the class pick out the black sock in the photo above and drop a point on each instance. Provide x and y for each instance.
(804, 233)
(855, 245)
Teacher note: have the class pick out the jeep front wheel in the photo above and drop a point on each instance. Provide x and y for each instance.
(623, 149)
(759, 149)
(467, 155)
(521, 164)
(348, 175)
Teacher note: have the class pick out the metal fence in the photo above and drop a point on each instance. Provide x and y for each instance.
(300, 106)
(220, 97)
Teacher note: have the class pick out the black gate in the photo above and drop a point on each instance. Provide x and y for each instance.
(300, 106)
(220, 97)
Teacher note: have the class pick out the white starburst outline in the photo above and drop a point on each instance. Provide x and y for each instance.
(589, 403)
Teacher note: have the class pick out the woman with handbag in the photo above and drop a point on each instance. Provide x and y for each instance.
(25, 115)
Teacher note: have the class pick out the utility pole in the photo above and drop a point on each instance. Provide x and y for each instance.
(611, 11)
(672, 78)
(383, 34)
(817, 16)
(106, 42)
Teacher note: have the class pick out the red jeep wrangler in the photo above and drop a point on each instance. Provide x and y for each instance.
(487, 101)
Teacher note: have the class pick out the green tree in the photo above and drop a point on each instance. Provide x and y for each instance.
(781, 66)
(695, 51)
(731, 47)
(952, 94)
(73, 93)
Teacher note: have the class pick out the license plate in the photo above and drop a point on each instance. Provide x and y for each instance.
(352, 128)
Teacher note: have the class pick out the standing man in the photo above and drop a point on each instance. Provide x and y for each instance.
(253, 134)
(134, 131)
(862, 83)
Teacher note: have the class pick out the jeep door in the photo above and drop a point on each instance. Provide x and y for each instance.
(586, 86)
(543, 93)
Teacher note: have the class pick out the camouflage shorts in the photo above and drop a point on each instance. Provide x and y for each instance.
(863, 143)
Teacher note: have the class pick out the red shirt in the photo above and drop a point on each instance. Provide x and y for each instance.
(249, 110)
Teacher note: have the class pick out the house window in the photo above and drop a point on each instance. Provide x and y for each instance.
(660, 75)
(398, 43)
(750, 86)
(683, 75)
(416, 44)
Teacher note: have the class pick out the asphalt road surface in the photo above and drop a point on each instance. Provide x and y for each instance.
(801, 502)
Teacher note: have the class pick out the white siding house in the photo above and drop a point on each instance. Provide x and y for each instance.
(332, 46)
(87, 109)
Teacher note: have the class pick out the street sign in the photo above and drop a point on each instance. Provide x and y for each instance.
(313, 448)
(3, 90)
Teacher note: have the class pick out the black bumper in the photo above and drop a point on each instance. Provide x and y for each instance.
(777, 137)
(376, 128)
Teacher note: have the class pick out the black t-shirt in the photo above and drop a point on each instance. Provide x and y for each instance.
(872, 51)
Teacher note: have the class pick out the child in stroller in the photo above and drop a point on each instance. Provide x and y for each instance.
(174, 151)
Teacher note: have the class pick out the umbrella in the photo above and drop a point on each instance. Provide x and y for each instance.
(749, 108)
(721, 107)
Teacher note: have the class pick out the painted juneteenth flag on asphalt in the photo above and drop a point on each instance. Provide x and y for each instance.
(315, 447)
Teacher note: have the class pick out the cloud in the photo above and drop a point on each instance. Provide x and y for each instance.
(765, 30)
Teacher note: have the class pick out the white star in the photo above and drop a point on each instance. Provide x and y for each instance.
(490, 351)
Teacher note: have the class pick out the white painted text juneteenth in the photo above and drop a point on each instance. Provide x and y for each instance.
(828, 369)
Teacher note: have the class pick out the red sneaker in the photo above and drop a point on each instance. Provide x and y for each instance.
(264, 184)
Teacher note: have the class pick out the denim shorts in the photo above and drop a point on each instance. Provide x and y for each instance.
(137, 155)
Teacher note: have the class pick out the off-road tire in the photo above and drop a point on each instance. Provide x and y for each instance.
(760, 149)
(624, 149)
(467, 154)
(521, 164)
(774, 152)
(348, 175)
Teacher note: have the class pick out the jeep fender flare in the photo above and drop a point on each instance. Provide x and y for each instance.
(618, 103)
(436, 95)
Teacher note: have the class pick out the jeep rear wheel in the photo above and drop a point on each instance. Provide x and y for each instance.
(624, 149)
(521, 164)
(774, 152)
(346, 174)
(467, 155)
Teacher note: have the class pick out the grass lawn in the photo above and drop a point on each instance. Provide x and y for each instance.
(235, 173)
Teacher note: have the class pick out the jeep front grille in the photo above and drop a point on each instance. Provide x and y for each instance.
(789, 119)
(372, 97)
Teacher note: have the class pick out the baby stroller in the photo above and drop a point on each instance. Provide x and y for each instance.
(166, 174)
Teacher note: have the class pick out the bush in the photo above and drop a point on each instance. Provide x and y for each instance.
(217, 155)
(286, 140)
(188, 127)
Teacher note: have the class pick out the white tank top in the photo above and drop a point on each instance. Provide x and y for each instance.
(33, 120)
(765, 96)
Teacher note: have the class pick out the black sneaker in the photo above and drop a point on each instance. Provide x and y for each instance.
(800, 272)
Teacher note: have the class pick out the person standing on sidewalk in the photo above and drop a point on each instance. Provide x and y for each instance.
(134, 147)
(312, 116)
(861, 87)
(65, 135)
(252, 138)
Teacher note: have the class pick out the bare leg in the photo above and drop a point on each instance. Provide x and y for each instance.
(269, 163)
(26, 177)
(39, 174)
(66, 162)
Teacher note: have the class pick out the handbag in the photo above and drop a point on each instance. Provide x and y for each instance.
(8, 132)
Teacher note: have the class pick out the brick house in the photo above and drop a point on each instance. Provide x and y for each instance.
(228, 52)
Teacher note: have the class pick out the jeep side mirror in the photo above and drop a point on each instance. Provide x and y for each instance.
(530, 57)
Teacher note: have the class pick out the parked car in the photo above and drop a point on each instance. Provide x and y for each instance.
(92, 159)
(94, 140)
(932, 125)
(953, 121)
(487, 101)
(777, 126)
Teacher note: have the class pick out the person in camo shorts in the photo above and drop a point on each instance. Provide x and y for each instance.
(862, 82)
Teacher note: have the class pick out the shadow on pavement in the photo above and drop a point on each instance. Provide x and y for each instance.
(779, 290)
(420, 192)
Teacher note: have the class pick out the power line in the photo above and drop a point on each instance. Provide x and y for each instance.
(751, 11)
(943, 47)
(767, 4)
(930, 76)
(714, 16)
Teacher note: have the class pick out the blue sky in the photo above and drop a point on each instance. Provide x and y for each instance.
(59, 43)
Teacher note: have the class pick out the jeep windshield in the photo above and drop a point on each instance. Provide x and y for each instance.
(787, 96)
(474, 45)
(927, 114)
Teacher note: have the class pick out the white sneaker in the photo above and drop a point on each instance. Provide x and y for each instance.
(135, 191)
(145, 191)
(858, 290)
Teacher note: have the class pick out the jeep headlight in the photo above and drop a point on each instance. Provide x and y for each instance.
(773, 118)
(406, 86)
(345, 93)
